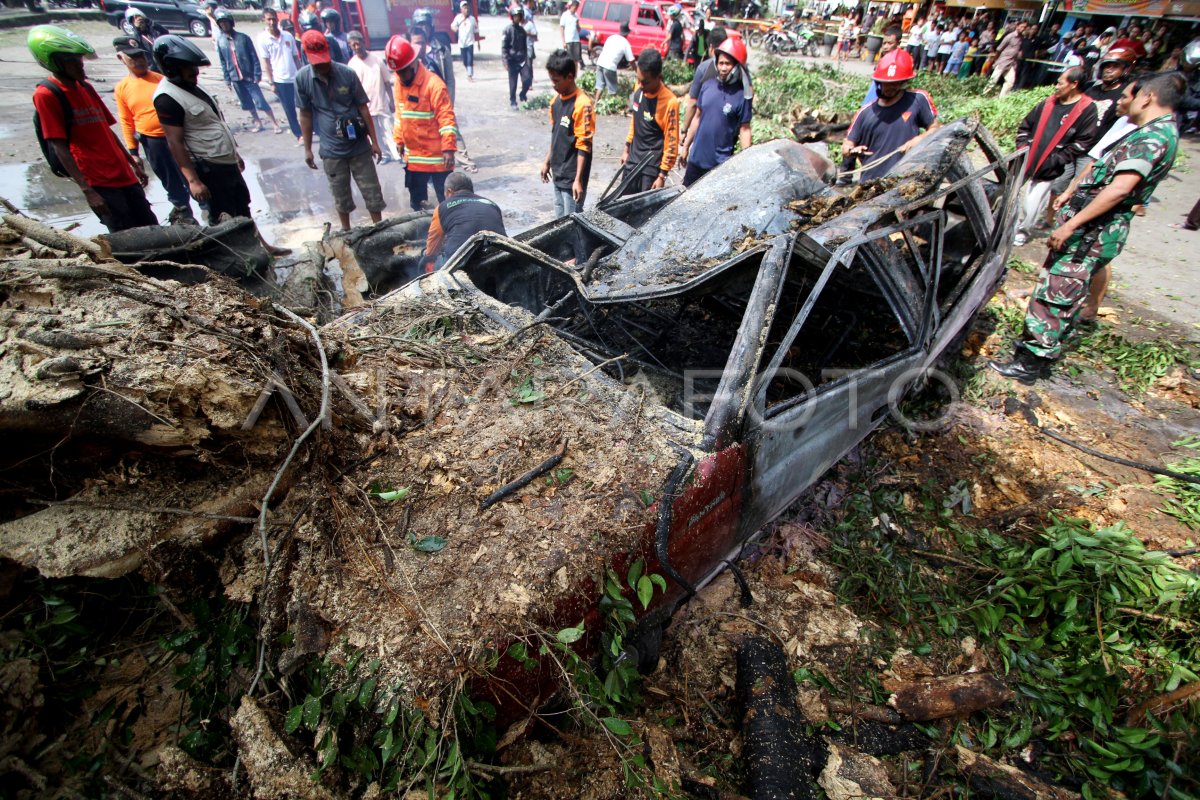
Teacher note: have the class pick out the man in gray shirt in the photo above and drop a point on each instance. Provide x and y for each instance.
(331, 94)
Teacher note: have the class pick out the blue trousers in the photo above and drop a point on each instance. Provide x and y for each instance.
(287, 99)
(164, 166)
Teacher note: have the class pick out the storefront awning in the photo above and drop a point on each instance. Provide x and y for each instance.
(1134, 8)
(1008, 5)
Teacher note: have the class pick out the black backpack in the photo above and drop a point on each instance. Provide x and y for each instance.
(51, 157)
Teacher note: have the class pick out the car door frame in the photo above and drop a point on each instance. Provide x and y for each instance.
(793, 444)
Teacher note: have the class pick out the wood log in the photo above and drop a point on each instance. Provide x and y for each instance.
(948, 696)
(53, 237)
(992, 779)
(273, 772)
(782, 763)
(307, 288)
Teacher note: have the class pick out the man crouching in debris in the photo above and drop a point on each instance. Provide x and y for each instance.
(200, 141)
(1094, 224)
(459, 217)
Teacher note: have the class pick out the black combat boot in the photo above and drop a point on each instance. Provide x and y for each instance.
(1024, 367)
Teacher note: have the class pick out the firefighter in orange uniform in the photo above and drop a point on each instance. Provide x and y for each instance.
(425, 125)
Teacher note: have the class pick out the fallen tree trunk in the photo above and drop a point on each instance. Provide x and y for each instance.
(782, 763)
(993, 779)
(948, 696)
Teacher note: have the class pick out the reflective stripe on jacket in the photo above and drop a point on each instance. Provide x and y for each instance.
(425, 125)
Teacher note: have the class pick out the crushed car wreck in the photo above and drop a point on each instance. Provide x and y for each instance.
(686, 364)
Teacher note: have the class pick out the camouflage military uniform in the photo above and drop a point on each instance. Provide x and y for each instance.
(1063, 286)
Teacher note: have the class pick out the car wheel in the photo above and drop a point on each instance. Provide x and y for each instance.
(127, 27)
(198, 27)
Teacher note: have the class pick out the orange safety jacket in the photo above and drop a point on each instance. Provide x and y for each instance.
(425, 125)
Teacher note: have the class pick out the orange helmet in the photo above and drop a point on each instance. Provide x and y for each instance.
(399, 53)
(894, 67)
(1119, 55)
(735, 49)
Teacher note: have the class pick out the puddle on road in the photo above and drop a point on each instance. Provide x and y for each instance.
(290, 202)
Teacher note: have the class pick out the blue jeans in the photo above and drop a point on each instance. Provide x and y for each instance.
(564, 202)
(158, 154)
(468, 59)
(250, 96)
(287, 99)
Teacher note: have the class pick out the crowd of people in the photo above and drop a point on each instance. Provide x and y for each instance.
(1096, 148)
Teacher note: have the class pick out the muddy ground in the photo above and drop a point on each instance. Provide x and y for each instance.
(127, 709)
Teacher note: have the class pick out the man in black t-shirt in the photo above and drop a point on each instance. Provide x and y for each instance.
(883, 130)
(1114, 74)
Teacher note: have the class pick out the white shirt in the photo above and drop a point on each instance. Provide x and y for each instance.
(1118, 130)
(570, 26)
(376, 80)
(280, 54)
(530, 28)
(467, 29)
(615, 48)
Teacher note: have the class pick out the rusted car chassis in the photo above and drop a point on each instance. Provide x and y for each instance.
(776, 320)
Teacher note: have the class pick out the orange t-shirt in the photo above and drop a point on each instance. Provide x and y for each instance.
(135, 107)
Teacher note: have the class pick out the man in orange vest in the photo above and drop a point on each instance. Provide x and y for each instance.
(425, 125)
(141, 129)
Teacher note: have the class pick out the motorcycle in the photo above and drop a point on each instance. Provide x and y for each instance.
(808, 40)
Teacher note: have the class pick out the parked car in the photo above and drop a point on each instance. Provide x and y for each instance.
(648, 22)
(171, 14)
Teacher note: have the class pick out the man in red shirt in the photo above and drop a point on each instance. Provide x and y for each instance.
(77, 127)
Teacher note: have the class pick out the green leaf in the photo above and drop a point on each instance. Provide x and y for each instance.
(429, 544)
(618, 726)
(635, 572)
(645, 591)
(395, 494)
(570, 635)
(366, 693)
(659, 581)
(292, 721)
(312, 712)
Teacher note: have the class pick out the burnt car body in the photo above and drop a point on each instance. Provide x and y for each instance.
(776, 320)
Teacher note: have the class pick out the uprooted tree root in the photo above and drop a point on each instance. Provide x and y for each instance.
(157, 426)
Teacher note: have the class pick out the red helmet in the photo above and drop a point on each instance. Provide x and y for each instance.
(735, 49)
(894, 67)
(399, 53)
(1119, 55)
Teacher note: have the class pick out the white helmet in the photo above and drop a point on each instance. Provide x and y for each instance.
(1191, 53)
(133, 12)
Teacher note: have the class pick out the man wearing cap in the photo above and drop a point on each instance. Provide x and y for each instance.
(141, 129)
(144, 30)
(280, 61)
(241, 70)
(376, 80)
(110, 178)
(884, 130)
(615, 52)
(426, 130)
(331, 94)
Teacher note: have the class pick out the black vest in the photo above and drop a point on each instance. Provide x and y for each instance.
(462, 215)
(647, 135)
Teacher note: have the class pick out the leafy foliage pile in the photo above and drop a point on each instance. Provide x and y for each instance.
(1137, 364)
(785, 90)
(1096, 633)
(1184, 501)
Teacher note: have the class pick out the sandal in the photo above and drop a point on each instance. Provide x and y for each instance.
(255, 127)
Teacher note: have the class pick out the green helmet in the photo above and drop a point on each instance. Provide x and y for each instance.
(47, 41)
